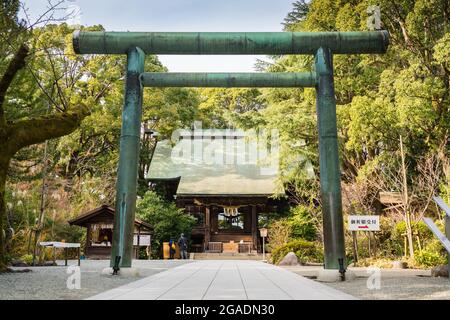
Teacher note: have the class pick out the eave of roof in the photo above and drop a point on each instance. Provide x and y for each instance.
(208, 195)
(104, 208)
(91, 213)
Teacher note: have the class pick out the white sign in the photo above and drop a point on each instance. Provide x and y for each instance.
(59, 244)
(144, 240)
(364, 223)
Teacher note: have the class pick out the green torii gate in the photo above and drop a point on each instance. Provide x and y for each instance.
(320, 44)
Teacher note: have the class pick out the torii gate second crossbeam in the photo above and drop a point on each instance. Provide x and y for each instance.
(320, 44)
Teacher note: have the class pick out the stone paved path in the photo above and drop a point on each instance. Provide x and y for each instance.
(224, 280)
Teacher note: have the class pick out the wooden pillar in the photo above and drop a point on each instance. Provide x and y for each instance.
(254, 227)
(88, 240)
(355, 247)
(207, 226)
(248, 220)
(138, 243)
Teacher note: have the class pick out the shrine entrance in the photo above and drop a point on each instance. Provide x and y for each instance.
(320, 44)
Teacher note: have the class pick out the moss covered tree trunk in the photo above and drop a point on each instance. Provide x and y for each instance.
(4, 162)
(23, 133)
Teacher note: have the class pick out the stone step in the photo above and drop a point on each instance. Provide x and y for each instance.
(226, 256)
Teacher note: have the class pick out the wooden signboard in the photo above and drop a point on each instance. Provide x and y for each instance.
(391, 197)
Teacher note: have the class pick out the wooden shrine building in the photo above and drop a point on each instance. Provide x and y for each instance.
(215, 176)
(100, 223)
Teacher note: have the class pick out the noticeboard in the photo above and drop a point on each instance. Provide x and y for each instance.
(144, 240)
(364, 223)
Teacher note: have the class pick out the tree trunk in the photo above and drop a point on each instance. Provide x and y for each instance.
(4, 163)
(40, 223)
(24, 133)
(15, 135)
(409, 234)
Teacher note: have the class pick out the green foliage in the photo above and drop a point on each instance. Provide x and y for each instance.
(378, 97)
(167, 220)
(306, 251)
(297, 15)
(302, 224)
(81, 166)
(236, 107)
(433, 254)
(429, 259)
(398, 234)
(418, 228)
(27, 258)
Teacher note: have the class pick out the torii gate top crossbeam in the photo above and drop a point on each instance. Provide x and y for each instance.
(228, 80)
(270, 43)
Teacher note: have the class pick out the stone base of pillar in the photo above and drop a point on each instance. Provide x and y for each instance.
(333, 275)
(123, 272)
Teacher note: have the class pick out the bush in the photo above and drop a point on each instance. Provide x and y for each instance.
(429, 259)
(27, 258)
(305, 251)
(278, 234)
(418, 227)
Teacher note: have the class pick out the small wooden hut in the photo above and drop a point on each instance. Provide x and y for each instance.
(100, 224)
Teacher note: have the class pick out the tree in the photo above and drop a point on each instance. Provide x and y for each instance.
(45, 90)
(404, 92)
(230, 108)
(167, 220)
(56, 83)
(164, 111)
(297, 15)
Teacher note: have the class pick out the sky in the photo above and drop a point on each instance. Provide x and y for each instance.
(182, 15)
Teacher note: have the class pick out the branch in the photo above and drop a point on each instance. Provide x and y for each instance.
(44, 18)
(15, 65)
(32, 131)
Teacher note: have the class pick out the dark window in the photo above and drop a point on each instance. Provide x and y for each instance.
(200, 218)
(198, 213)
(101, 234)
(231, 223)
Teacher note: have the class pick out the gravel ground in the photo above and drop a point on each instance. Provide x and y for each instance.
(49, 283)
(395, 284)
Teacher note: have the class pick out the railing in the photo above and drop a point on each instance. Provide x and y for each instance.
(441, 203)
(442, 238)
(245, 247)
(215, 247)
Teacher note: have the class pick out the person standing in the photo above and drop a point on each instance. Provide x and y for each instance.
(172, 248)
(183, 245)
